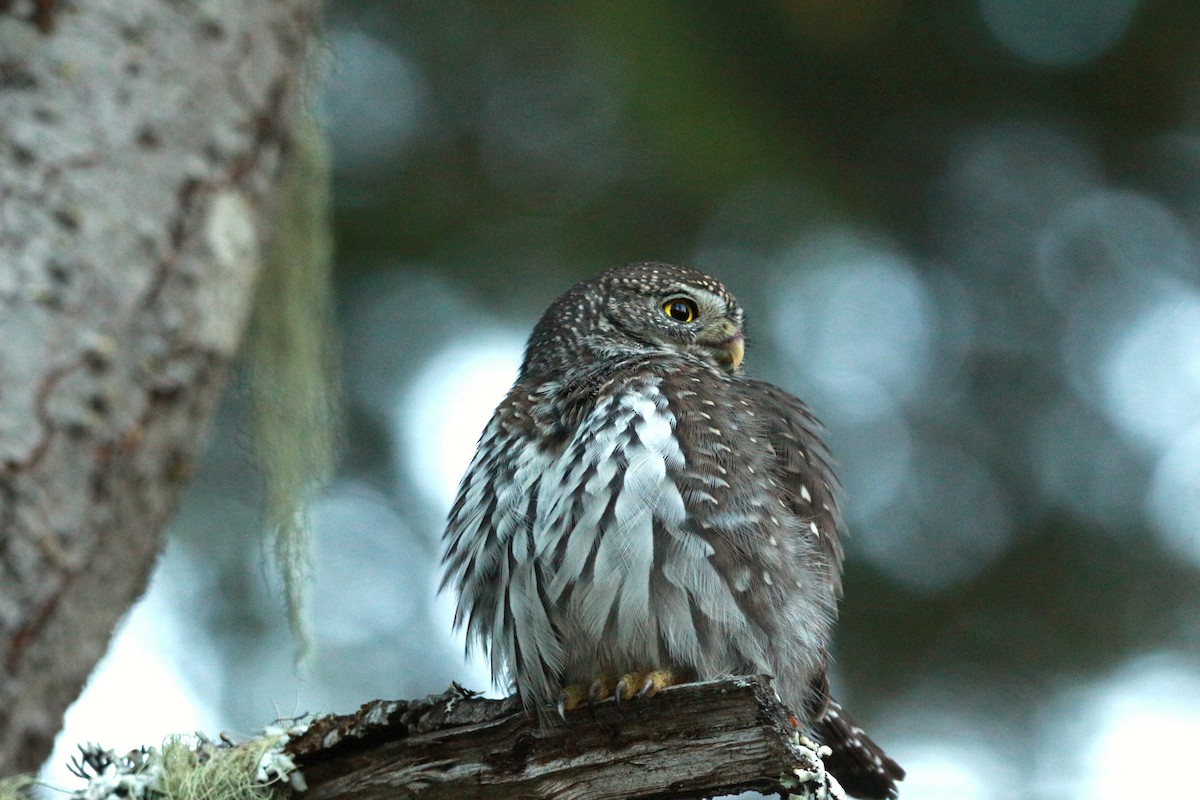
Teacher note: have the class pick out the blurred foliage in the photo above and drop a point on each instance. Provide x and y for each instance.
(857, 101)
(857, 98)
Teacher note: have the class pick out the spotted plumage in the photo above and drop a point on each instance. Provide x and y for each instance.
(638, 507)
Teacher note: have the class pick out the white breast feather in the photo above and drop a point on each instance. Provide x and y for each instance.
(631, 434)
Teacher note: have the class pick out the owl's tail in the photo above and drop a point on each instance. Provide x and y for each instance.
(860, 765)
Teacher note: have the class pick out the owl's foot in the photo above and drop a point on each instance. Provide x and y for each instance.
(577, 694)
(571, 698)
(644, 684)
(639, 685)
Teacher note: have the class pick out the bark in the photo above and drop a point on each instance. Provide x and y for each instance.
(139, 144)
(698, 740)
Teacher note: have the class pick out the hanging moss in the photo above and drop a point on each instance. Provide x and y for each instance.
(291, 365)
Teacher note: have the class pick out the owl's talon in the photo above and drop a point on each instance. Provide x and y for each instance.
(572, 697)
(601, 689)
(628, 685)
(655, 682)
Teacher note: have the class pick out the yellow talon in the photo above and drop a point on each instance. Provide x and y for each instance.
(644, 684)
(573, 697)
(629, 685)
(632, 685)
(601, 689)
(655, 682)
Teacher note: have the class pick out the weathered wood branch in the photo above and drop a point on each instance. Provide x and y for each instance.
(698, 740)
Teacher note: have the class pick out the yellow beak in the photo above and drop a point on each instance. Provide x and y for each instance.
(736, 347)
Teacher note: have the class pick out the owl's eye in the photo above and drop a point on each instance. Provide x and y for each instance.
(681, 309)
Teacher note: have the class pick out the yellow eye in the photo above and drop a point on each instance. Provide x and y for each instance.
(681, 309)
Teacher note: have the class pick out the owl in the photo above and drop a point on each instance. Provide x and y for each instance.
(640, 513)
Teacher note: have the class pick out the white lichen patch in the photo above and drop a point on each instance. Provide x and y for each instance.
(136, 774)
(231, 234)
(223, 298)
(809, 779)
(185, 768)
(275, 765)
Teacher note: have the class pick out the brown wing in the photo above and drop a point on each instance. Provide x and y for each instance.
(803, 468)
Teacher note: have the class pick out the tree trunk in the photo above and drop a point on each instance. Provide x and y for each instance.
(139, 144)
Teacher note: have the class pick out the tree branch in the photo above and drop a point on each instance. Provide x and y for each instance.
(702, 739)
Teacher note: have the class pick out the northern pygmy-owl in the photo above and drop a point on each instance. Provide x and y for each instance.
(640, 513)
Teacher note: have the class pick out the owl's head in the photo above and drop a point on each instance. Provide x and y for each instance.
(640, 309)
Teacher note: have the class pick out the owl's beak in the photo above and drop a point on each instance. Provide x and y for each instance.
(734, 348)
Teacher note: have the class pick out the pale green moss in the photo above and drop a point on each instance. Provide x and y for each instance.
(16, 787)
(191, 768)
(209, 772)
(292, 374)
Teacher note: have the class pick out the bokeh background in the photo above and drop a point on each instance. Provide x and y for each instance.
(966, 232)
